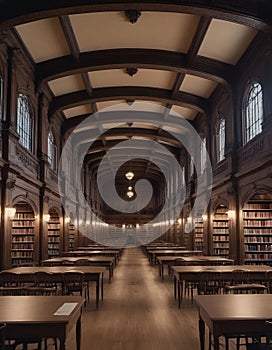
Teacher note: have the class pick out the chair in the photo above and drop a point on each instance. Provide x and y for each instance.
(9, 284)
(240, 285)
(46, 281)
(209, 282)
(268, 279)
(82, 262)
(74, 283)
(3, 328)
(67, 263)
(257, 344)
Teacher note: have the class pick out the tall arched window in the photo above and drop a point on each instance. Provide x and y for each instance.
(24, 121)
(51, 150)
(220, 139)
(253, 112)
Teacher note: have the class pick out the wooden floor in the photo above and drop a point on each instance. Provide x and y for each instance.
(139, 312)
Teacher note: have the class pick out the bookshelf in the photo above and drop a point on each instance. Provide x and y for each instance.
(221, 232)
(71, 236)
(53, 235)
(257, 226)
(22, 242)
(199, 234)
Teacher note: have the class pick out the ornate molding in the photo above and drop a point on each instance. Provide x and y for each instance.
(133, 15)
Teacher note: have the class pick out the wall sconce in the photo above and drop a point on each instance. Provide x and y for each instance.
(204, 217)
(123, 226)
(80, 222)
(67, 220)
(88, 222)
(231, 214)
(10, 212)
(179, 221)
(46, 217)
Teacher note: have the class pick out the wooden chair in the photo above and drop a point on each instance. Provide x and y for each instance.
(209, 282)
(9, 284)
(74, 283)
(240, 285)
(257, 344)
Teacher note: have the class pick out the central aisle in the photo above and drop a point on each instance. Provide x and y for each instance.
(139, 312)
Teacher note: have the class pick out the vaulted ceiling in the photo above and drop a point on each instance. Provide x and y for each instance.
(99, 56)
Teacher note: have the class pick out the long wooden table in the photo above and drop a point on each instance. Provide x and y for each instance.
(91, 273)
(191, 274)
(33, 316)
(232, 314)
(83, 253)
(154, 254)
(105, 261)
(187, 260)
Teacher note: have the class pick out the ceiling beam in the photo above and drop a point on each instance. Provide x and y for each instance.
(140, 58)
(78, 98)
(255, 13)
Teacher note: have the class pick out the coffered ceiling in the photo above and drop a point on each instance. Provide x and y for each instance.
(99, 55)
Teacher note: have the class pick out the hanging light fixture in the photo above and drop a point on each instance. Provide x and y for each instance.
(130, 194)
(129, 175)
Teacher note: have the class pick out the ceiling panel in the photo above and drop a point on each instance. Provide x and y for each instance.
(44, 39)
(144, 77)
(198, 86)
(67, 84)
(108, 104)
(79, 110)
(186, 113)
(160, 30)
(226, 41)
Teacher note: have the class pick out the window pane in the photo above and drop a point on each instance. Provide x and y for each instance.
(24, 122)
(254, 112)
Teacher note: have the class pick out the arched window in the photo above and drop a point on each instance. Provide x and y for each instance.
(253, 112)
(24, 121)
(220, 139)
(51, 151)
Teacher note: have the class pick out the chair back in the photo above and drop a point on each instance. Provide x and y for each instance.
(239, 276)
(82, 262)
(9, 279)
(73, 281)
(209, 281)
(43, 279)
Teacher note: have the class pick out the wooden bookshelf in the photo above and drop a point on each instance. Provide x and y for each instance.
(22, 246)
(257, 227)
(221, 232)
(72, 231)
(199, 234)
(53, 235)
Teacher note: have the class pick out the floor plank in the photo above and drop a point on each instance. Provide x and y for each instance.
(139, 312)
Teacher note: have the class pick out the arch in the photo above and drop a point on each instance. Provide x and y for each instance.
(26, 200)
(251, 194)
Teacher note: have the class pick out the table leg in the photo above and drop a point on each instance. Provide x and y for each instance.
(102, 286)
(162, 270)
(175, 287)
(78, 333)
(201, 326)
(179, 298)
(97, 292)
